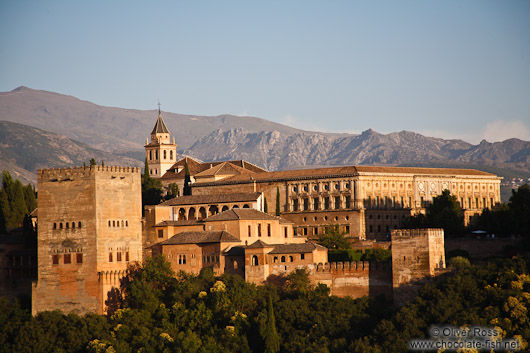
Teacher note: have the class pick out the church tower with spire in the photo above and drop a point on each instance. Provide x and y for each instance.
(161, 154)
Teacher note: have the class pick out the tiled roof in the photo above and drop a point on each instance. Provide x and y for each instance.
(258, 244)
(183, 222)
(341, 172)
(160, 126)
(224, 168)
(199, 237)
(197, 167)
(206, 199)
(296, 248)
(235, 250)
(241, 213)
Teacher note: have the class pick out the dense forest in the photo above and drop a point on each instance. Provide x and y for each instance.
(156, 310)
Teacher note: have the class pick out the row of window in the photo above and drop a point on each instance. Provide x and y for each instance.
(210, 259)
(164, 154)
(284, 258)
(66, 225)
(115, 223)
(322, 186)
(325, 218)
(305, 205)
(67, 258)
(202, 212)
(119, 257)
(306, 230)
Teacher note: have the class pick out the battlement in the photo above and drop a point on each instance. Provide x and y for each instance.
(426, 232)
(354, 266)
(84, 171)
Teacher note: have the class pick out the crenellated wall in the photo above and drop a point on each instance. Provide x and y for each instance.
(354, 279)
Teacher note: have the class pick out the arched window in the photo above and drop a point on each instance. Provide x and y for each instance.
(225, 208)
(61, 225)
(191, 213)
(55, 226)
(171, 155)
(255, 261)
(202, 213)
(109, 223)
(150, 155)
(67, 225)
(246, 206)
(290, 259)
(283, 259)
(165, 154)
(78, 224)
(126, 223)
(182, 214)
(156, 154)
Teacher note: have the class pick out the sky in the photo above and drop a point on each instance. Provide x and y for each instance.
(451, 68)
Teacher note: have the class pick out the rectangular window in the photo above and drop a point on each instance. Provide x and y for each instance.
(269, 230)
(326, 203)
(306, 204)
(67, 258)
(371, 229)
(118, 256)
(347, 229)
(337, 202)
(315, 231)
(369, 202)
(285, 232)
(401, 201)
(305, 231)
(393, 201)
(302, 256)
(259, 229)
(79, 258)
(410, 202)
(491, 203)
(348, 201)
(422, 201)
(160, 233)
(469, 202)
(295, 205)
(315, 202)
(249, 231)
(55, 259)
(127, 256)
(476, 203)
(110, 257)
(378, 229)
(484, 202)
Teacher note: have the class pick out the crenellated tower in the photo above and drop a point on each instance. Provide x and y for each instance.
(161, 154)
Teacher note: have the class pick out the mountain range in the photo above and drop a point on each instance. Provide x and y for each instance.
(67, 131)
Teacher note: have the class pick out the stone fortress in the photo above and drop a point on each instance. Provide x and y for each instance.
(91, 226)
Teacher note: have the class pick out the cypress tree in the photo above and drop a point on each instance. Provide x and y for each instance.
(269, 333)
(265, 206)
(30, 197)
(187, 180)
(277, 201)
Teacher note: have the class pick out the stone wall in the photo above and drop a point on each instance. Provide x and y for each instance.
(417, 254)
(85, 215)
(354, 279)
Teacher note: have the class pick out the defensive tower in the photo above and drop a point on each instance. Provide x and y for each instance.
(89, 231)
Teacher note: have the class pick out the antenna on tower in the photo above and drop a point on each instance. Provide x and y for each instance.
(159, 107)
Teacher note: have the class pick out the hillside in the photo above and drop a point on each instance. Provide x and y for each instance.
(116, 134)
(24, 149)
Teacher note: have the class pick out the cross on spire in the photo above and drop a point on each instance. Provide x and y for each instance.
(159, 107)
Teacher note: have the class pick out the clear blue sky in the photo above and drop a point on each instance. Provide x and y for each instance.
(454, 69)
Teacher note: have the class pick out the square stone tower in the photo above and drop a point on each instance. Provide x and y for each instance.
(417, 254)
(89, 230)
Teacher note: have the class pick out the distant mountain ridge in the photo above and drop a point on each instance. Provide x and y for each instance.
(276, 151)
(24, 149)
(113, 134)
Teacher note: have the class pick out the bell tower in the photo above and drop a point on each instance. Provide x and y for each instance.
(161, 154)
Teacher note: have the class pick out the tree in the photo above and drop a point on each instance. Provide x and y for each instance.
(12, 202)
(333, 238)
(268, 330)
(444, 212)
(102, 163)
(277, 201)
(187, 180)
(151, 188)
(172, 191)
(520, 209)
(93, 161)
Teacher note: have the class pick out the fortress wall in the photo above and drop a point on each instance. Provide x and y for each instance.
(354, 279)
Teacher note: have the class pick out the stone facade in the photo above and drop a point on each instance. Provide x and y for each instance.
(89, 230)
(366, 202)
(417, 254)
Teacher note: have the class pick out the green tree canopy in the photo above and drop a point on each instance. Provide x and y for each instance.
(333, 238)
